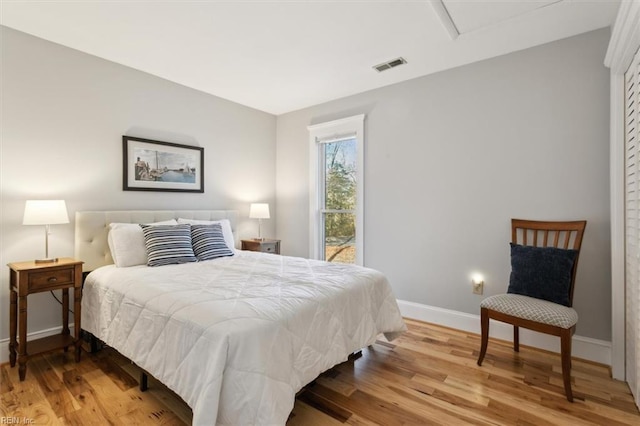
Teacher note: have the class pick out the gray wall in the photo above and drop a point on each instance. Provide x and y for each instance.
(63, 117)
(451, 157)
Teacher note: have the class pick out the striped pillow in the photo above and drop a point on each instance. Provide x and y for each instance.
(168, 244)
(208, 242)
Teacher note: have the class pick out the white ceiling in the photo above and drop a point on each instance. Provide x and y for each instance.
(282, 55)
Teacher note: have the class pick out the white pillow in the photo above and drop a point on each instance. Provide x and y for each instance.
(226, 229)
(126, 243)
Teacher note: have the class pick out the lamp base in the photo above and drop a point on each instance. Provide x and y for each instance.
(52, 260)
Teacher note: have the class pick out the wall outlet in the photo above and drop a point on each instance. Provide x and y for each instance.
(477, 286)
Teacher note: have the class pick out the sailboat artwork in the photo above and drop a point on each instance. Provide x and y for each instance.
(188, 170)
(162, 166)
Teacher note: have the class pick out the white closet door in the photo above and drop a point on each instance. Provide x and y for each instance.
(632, 238)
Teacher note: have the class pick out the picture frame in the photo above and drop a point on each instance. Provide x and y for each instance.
(150, 165)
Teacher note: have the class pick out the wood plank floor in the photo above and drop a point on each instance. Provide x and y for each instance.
(427, 376)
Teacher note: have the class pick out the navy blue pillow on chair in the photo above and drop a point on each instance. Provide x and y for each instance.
(541, 272)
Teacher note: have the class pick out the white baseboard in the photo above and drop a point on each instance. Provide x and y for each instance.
(4, 343)
(582, 347)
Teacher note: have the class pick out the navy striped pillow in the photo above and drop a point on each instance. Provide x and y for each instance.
(168, 244)
(208, 242)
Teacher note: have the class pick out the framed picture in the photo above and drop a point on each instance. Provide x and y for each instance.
(150, 165)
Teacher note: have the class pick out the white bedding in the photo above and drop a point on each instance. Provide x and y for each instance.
(237, 337)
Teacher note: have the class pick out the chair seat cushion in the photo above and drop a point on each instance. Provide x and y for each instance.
(533, 309)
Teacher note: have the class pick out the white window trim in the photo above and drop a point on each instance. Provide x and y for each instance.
(322, 132)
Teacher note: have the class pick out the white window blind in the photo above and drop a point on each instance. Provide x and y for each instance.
(632, 221)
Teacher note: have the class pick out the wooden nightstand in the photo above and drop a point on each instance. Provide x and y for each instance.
(30, 277)
(264, 245)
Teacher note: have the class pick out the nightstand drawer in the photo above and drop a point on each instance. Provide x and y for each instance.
(264, 245)
(50, 279)
(268, 248)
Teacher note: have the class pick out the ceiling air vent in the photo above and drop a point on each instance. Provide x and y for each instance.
(391, 64)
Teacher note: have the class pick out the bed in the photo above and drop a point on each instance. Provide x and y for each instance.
(236, 336)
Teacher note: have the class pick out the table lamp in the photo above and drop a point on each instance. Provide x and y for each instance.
(45, 212)
(259, 211)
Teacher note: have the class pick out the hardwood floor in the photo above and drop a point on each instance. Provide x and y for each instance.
(427, 376)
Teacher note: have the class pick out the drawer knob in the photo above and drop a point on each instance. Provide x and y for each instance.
(52, 279)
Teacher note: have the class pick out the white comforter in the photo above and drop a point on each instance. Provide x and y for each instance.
(237, 337)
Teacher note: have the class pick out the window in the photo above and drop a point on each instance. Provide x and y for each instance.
(336, 193)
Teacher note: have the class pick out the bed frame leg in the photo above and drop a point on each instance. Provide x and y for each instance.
(90, 340)
(355, 355)
(143, 381)
(93, 343)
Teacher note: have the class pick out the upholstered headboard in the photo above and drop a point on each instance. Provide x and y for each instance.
(92, 228)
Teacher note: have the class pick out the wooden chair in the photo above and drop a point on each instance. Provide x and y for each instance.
(532, 313)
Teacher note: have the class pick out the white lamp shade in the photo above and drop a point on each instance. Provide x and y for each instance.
(259, 211)
(45, 212)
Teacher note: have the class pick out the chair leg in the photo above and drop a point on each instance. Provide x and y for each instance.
(144, 384)
(565, 352)
(516, 338)
(484, 324)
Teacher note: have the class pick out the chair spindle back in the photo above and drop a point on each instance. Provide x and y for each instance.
(563, 235)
